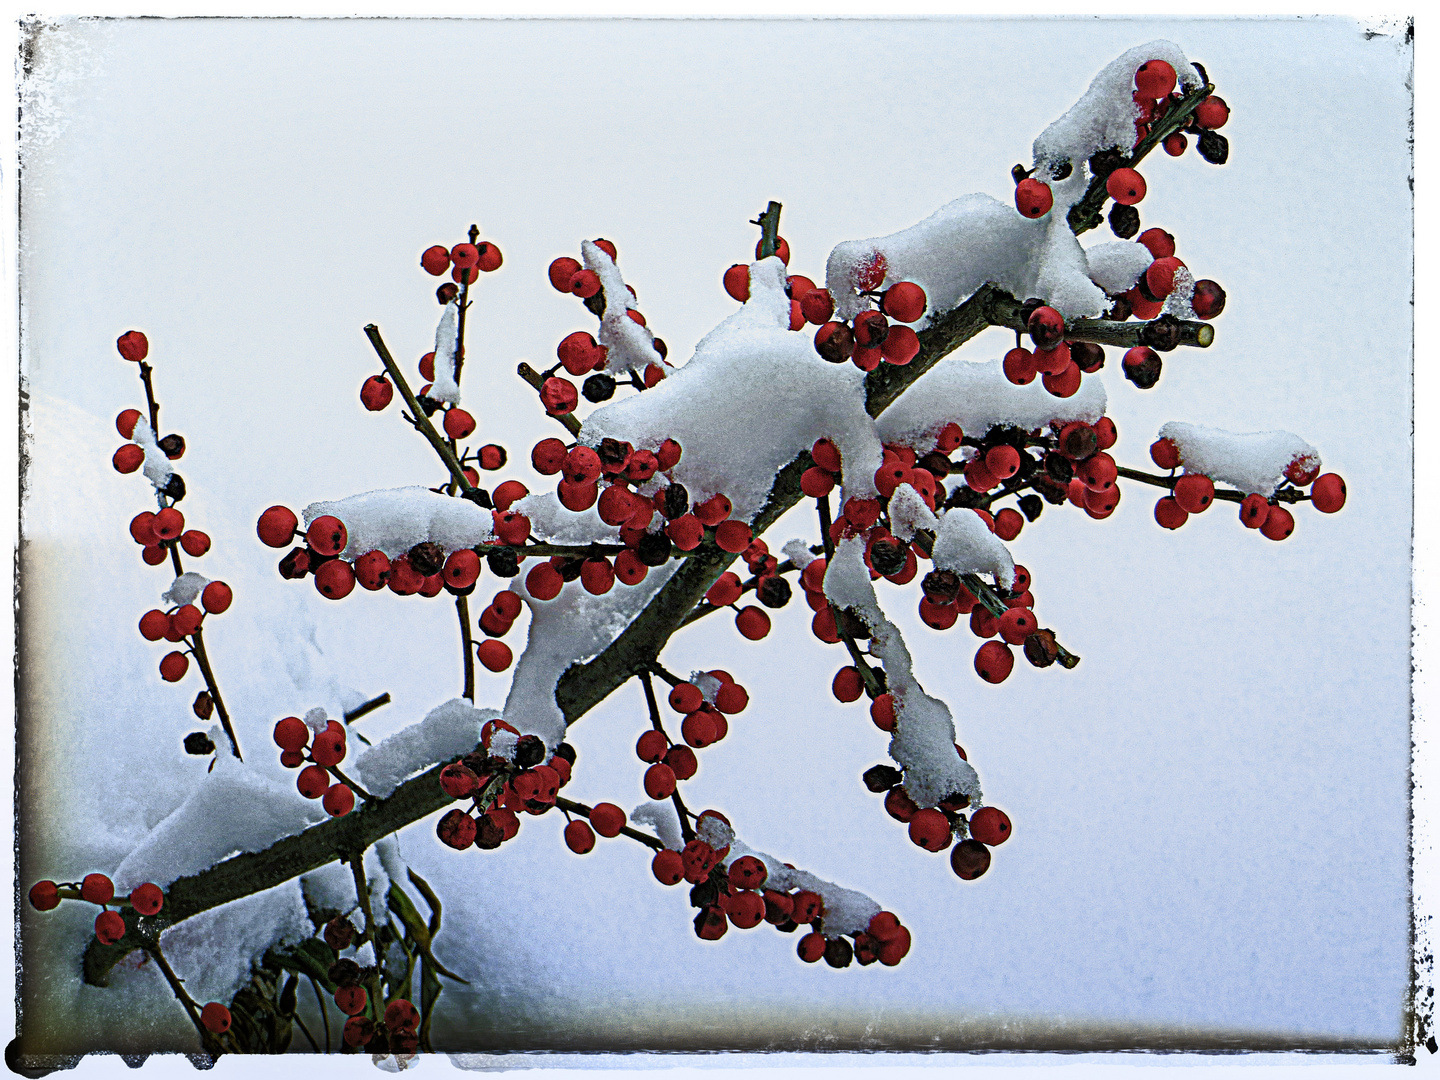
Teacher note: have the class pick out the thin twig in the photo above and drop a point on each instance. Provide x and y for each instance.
(198, 647)
(1284, 494)
(625, 830)
(462, 609)
(145, 370)
(368, 707)
(334, 770)
(873, 686)
(207, 1037)
(324, 1015)
(655, 721)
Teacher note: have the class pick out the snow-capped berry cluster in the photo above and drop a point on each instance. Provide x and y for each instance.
(1265, 468)
(324, 747)
(509, 774)
(936, 828)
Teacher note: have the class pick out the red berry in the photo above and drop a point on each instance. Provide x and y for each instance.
(731, 698)
(1019, 366)
(495, 655)
(217, 597)
(686, 698)
(745, 909)
(1253, 511)
(351, 1000)
(659, 781)
(292, 733)
(737, 282)
(1165, 453)
(1002, 462)
(608, 247)
(147, 899)
(1155, 78)
(579, 353)
(327, 535)
(811, 947)
(870, 275)
(1046, 327)
(1008, 524)
(1175, 144)
(652, 746)
(435, 260)
(668, 867)
(133, 346)
(562, 272)
(1033, 198)
(338, 800)
(174, 666)
(713, 511)
(1160, 276)
(607, 819)
(1169, 514)
(753, 623)
(899, 805)
(456, 828)
(1212, 113)
(579, 837)
(401, 1015)
(732, 536)
(184, 622)
(990, 826)
(488, 257)
(901, 345)
(1279, 524)
(970, 859)
(335, 579)
(1017, 624)
(1126, 186)
(128, 458)
(882, 712)
(376, 393)
(312, 782)
(559, 396)
(904, 302)
(97, 889)
(930, 829)
(597, 576)
(994, 661)
(544, 582)
(126, 421)
(847, 685)
(459, 424)
(109, 927)
(1105, 432)
(168, 524)
(276, 526)
(1328, 494)
(835, 342)
(1160, 243)
(1208, 300)
(44, 896)
(585, 284)
(511, 528)
(782, 249)
(699, 730)
(1194, 492)
(817, 306)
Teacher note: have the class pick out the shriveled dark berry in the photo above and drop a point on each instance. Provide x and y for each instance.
(941, 587)
(838, 952)
(428, 405)
(480, 497)
(198, 743)
(173, 446)
(345, 972)
(1077, 442)
(1146, 373)
(1124, 221)
(1058, 467)
(339, 932)
(1213, 147)
(174, 487)
(1120, 309)
(969, 859)
(1162, 334)
(503, 562)
(204, 705)
(964, 496)
(447, 292)
(773, 592)
(566, 751)
(850, 623)
(936, 464)
(613, 454)
(427, 557)
(661, 347)
(888, 556)
(676, 502)
(296, 564)
(529, 751)
(654, 549)
(489, 834)
(570, 569)
(1105, 161)
(1040, 648)
(880, 778)
(598, 387)
(1088, 356)
(1030, 506)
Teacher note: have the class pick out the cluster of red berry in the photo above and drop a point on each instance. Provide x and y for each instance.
(936, 827)
(705, 723)
(324, 752)
(501, 787)
(579, 353)
(146, 899)
(769, 585)
(464, 261)
(1060, 363)
(1194, 492)
(395, 1033)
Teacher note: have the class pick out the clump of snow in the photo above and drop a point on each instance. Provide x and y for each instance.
(185, 588)
(157, 466)
(571, 628)
(663, 819)
(365, 954)
(965, 544)
(909, 512)
(447, 338)
(1178, 303)
(1104, 117)
(551, 522)
(977, 396)
(233, 809)
(798, 552)
(317, 719)
(215, 951)
(503, 744)
(1254, 463)
(396, 519)
(924, 740)
(714, 832)
(447, 731)
(630, 346)
(1116, 265)
(707, 684)
(753, 396)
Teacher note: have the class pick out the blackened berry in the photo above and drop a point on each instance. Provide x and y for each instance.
(1162, 334)
(427, 557)
(1040, 648)
(503, 562)
(204, 705)
(570, 569)
(1144, 374)
(173, 446)
(197, 742)
(598, 387)
(880, 778)
(1059, 468)
(174, 487)
(295, 565)
(773, 592)
(888, 556)
(1030, 506)
(1213, 147)
(480, 497)
(676, 502)
(1088, 356)
(529, 751)
(1124, 221)
(654, 549)
(838, 952)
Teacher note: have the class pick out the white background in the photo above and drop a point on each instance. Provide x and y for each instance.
(1210, 812)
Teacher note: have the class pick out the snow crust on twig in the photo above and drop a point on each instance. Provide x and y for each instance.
(157, 466)
(923, 743)
(965, 544)
(977, 396)
(447, 340)
(1254, 463)
(663, 819)
(1116, 265)
(846, 911)
(185, 588)
(550, 521)
(630, 346)
(396, 519)
(446, 732)
(753, 396)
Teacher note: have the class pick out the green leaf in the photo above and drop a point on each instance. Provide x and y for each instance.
(430, 988)
(287, 995)
(430, 898)
(400, 904)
